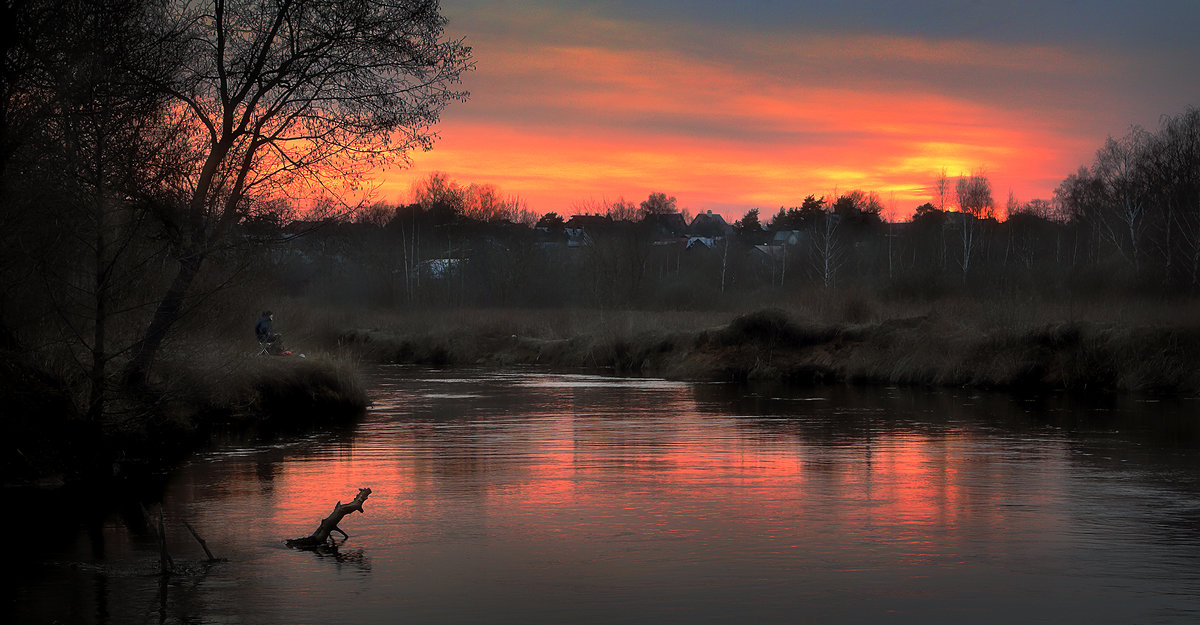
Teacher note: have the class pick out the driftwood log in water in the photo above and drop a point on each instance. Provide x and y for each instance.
(330, 523)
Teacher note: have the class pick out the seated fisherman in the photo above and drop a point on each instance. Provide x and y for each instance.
(265, 335)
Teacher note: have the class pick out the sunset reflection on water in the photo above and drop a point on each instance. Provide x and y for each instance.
(584, 443)
(533, 498)
(600, 483)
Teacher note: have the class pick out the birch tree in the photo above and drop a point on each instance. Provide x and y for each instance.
(1123, 194)
(828, 254)
(974, 203)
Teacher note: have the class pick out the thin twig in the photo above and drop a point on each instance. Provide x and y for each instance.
(203, 545)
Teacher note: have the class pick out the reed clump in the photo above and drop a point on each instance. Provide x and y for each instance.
(199, 392)
(212, 385)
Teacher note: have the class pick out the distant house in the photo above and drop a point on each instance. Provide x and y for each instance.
(771, 253)
(789, 237)
(709, 225)
(581, 222)
(438, 268)
(666, 225)
(581, 229)
(676, 242)
(772, 261)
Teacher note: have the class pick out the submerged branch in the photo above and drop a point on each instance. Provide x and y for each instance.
(330, 523)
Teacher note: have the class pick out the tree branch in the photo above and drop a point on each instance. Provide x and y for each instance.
(330, 523)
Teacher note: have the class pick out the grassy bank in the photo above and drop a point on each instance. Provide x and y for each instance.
(1135, 347)
(196, 394)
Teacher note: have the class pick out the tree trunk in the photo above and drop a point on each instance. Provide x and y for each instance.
(330, 523)
(165, 316)
(96, 395)
(724, 263)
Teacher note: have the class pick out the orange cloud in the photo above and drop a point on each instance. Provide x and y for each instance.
(558, 125)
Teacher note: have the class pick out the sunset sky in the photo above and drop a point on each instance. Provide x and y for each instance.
(734, 105)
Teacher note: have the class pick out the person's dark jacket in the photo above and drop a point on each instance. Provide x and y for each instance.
(262, 329)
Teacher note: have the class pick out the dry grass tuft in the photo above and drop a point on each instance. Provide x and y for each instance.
(209, 384)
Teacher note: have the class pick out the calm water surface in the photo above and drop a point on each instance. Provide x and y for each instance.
(533, 498)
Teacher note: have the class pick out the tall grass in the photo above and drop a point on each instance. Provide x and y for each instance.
(1130, 345)
(231, 383)
(205, 384)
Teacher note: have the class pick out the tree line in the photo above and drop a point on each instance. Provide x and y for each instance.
(1127, 223)
(1137, 206)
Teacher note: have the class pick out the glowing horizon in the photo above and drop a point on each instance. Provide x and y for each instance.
(571, 106)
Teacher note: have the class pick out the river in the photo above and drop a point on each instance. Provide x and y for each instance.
(525, 497)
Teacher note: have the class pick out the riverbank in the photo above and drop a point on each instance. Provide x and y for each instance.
(1154, 351)
(196, 395)
(200, 392)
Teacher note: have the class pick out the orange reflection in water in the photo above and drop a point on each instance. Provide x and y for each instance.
(671, 470)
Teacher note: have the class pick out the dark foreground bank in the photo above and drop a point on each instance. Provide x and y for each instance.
(50, 444)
